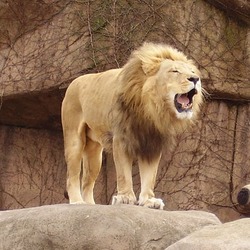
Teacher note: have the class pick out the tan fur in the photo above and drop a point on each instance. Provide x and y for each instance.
(131, 110)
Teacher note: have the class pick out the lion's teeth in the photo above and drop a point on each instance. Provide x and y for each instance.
(186, 106)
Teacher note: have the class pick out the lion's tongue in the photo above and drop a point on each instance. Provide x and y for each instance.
(183, 99)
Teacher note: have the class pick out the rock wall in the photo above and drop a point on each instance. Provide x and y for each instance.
(32, 167)
(43, 46)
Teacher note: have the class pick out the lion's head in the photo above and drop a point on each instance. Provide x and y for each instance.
(178, 83)
(163, 84)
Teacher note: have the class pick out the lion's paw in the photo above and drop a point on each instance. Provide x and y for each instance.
(153, 203)
(123, 199)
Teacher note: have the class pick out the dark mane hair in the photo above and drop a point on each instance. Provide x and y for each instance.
(141, 136)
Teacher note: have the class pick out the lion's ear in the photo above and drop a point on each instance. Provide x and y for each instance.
(151, 68)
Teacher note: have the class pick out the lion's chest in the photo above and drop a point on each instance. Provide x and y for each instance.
(141, 141)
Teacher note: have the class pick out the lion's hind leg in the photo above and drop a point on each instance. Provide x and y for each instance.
(74, 132)
(92, 160)
(74, 145)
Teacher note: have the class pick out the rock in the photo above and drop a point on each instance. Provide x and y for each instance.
(229, 236)
(243, 199)
(40, 55)
(37, 109)
(97, 227)
(244, 196)
(239, 9)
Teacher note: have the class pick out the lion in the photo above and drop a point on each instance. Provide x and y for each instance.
(133, 111)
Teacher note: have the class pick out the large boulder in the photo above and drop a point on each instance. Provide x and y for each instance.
(229, 236)
(97, 227)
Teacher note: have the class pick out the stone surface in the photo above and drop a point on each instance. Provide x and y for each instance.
(239, 9)
(229, 236)
(33, 169)
(243, 199)
(97, 227)
(51, 43)
(38, 109)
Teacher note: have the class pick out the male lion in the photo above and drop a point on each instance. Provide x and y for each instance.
(134, 109)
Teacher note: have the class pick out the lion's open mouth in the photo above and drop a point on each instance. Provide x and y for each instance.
(184, 102)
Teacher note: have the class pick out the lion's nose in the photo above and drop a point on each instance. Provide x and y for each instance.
(193, 79)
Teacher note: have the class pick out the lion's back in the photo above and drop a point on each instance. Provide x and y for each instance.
(91, 96)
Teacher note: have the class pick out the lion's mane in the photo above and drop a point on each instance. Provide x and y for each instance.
(144, 135)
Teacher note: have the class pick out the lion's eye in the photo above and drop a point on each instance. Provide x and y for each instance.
(175, 71)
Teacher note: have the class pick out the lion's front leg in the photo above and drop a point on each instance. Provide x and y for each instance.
(148, 171)
(123, 165)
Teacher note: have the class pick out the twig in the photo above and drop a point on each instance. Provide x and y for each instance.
(1, 99)
(91, 34)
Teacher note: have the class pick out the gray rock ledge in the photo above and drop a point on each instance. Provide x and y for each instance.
(98, 227)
